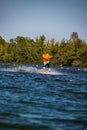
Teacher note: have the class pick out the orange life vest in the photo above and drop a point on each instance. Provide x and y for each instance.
(46, 57)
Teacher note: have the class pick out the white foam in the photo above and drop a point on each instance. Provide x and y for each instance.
(21, 69)
(52, 72)
(30, 69)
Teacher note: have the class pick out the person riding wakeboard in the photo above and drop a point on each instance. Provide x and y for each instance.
(46, 61)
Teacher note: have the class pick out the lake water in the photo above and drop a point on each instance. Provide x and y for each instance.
(33, 101)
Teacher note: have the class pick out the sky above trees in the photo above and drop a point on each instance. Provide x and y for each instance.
(53, 18)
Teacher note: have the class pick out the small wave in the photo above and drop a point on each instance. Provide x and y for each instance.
(30, 69)
(21, 69)
(52, 72)
(7, 126)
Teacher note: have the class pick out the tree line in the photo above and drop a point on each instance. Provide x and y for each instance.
(72, 52)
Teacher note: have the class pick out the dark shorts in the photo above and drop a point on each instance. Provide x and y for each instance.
(47, 64)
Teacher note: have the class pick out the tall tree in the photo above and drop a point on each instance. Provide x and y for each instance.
(74, 36)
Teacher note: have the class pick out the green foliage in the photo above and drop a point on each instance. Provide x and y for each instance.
(71, 52)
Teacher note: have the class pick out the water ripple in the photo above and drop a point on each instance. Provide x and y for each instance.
(32, 101)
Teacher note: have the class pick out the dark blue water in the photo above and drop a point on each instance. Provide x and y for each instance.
(33, 101)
